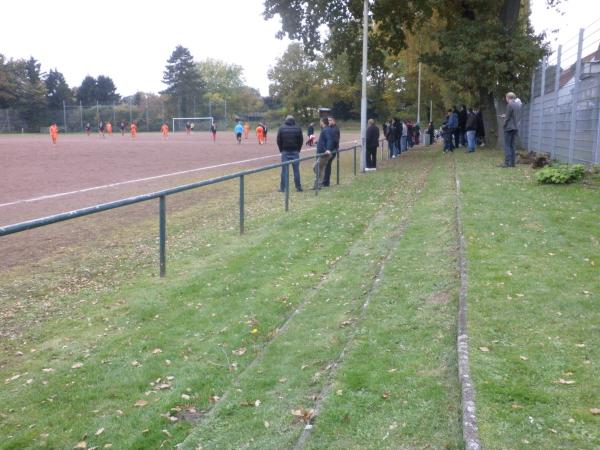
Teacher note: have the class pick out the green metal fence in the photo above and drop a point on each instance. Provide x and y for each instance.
(162, 198)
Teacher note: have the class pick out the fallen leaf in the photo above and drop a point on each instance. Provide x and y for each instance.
(214, 398)
(156, 351)
(580, 345)
(135, 364)
(561, 381)
(524, 358)
(392, 370)
(484, 349)
(267, 424)
(239, 351)
(77, 365)
(185, 397)
(339, 392)
(595, 411)
(81, 445)
(385, 395)
(257, 403)
(100, 431)
(141, 403)
(48, 370)
(254, 330)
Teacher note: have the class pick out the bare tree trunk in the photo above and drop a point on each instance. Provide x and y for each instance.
(490, 116)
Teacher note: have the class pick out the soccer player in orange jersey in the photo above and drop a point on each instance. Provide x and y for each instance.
(260, 134)
(109, 128)
(133, 127)
(164, 129)
(246, 130)
(53, 133)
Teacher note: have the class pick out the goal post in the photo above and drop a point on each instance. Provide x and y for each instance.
(196, 123)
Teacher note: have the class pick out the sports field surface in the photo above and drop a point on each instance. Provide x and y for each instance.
(39, 179)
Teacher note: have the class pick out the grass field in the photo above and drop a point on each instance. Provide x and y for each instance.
(331, 326)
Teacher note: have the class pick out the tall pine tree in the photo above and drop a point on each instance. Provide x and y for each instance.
(185, 85)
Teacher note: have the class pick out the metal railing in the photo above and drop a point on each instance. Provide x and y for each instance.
(163, 194)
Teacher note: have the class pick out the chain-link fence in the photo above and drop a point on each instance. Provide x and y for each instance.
(149, 114)
(563, 116)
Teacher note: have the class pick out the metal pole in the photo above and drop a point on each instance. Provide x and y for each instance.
(241, 204)
(431, 110)
(575, 95)
(163, 111)
(597, 143)
(97, 111)
(65, 115)
(337, 168)
(147, 119)
(363, 100)
(419, 97)
(163, 234)
(531, 106)
(287, 186)
(225, 118)
(130, 113)
(81, 114)
(542, 101)
(209, 109)
(555, 108)
(354, 160)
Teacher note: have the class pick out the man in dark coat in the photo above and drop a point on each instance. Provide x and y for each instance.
(289, 142)
(372, 144)
(336, 134)
(325, 148)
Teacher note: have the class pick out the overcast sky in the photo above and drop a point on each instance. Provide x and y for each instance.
(130, 41)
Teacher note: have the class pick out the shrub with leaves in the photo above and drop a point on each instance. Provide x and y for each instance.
(560, 174)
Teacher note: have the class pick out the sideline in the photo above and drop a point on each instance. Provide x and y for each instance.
(139, 180)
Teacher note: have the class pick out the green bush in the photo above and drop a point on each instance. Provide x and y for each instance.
(560, 174)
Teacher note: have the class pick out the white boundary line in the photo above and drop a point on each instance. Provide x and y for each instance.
(121, 183)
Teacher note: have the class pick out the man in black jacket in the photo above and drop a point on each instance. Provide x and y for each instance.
(289, 141)
(336, 135)
(372, 144)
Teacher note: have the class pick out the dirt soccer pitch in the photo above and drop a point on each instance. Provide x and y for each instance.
(39, 179)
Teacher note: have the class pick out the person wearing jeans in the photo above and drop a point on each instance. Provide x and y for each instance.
(511, 128)
(325, 148)
(471, 130)
(289, 142)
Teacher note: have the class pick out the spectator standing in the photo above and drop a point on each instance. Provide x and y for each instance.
(462, 125)
(456, 128)
(310, 131)
(512, 117)
(289, 142)
(372, 144)
(403, 141)
(471, 130)
(325, 147)
(336, 135)
(431, 133)
(480, 130)
(447, 132)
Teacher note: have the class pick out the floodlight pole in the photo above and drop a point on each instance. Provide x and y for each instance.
(363, 100)
(419, 98)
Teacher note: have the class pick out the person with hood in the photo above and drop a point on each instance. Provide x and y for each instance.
(336, 135)
(289, 142)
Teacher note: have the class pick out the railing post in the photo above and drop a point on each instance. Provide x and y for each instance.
(555, 106)
(354, 159)
(337, 168)
(575, 94)
(542, 103)
(241, 204)
(287, 186)
(163, 234)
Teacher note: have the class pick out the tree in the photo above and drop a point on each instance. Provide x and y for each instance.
(8, 83)
(484, 46)
(87, 93)
(57, 90)
(295, 82)
(106, 90)
(220, 76)
(31, 93)
(183, 80)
